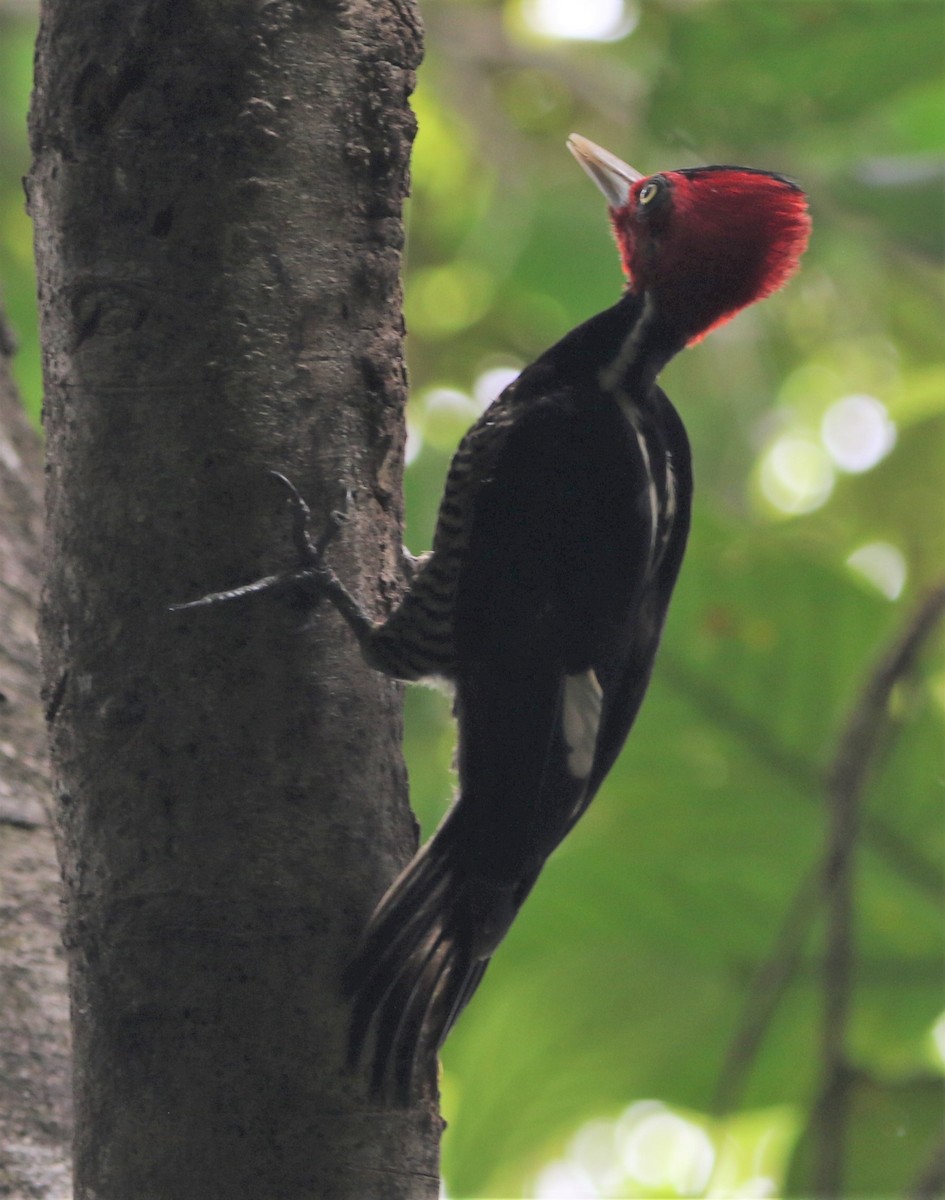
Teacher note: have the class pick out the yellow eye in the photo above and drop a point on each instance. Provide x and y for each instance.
(647, 193)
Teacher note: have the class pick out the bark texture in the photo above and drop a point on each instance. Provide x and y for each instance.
(35, 1099)
(217, 190)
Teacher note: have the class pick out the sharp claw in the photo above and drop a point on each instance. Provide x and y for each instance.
(295, 497)
(338, 516)
(332, 528)
(311, 573)
(301, 515)
(309, 550)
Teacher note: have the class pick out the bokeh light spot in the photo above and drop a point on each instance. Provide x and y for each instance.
(883, 565)
(443, 300)
(490, 383)
(857, 432)
(564, 1181)
(938, 1037)
(665, 1149)
(580, 20)
(446, 414)
(796, 474)
(414, 443)
(654, 1150)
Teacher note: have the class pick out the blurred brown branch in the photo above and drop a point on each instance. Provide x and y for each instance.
(929, 1184)
(846, 781)
(846, 784)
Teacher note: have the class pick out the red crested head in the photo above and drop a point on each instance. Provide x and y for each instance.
(704, 242)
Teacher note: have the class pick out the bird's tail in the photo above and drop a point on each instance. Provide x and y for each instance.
(422, 956)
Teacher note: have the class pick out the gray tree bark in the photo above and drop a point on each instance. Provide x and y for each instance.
(217, 190)
(35, 1096)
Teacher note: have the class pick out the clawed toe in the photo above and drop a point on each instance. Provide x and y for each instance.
(312, 551)
(309, 576)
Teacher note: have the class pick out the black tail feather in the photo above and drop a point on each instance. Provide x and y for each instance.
(409, 991)
(420, 960)
(413, 1026)
(472, 980)
(394, 936)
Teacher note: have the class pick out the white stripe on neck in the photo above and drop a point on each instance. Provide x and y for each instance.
(612, 376)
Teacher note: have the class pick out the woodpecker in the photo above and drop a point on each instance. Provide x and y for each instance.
(558, 543)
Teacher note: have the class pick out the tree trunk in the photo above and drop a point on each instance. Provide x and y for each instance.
(35, 1099)
(217, 189)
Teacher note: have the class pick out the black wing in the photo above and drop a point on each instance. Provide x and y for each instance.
(558, 563)
(558, 566)
(669, 454)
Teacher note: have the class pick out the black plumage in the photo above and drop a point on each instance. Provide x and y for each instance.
(560, 537)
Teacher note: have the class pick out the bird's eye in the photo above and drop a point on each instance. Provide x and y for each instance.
(648, 193)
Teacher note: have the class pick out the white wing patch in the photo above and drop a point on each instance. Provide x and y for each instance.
(583, 697)
(670, 490)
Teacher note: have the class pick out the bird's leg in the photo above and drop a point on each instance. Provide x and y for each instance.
(412, 564)
(311, 576)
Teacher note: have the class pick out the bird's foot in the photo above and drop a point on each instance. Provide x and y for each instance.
(310, 578)
(309, 551)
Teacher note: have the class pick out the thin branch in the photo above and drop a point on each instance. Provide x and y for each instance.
(846, 783)
(781, 760)
(764, 994)
(929, 1184)
(779, 968)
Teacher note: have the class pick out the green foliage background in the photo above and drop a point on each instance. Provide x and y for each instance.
(631, 969)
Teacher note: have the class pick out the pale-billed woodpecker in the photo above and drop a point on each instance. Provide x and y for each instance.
(560, 536)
